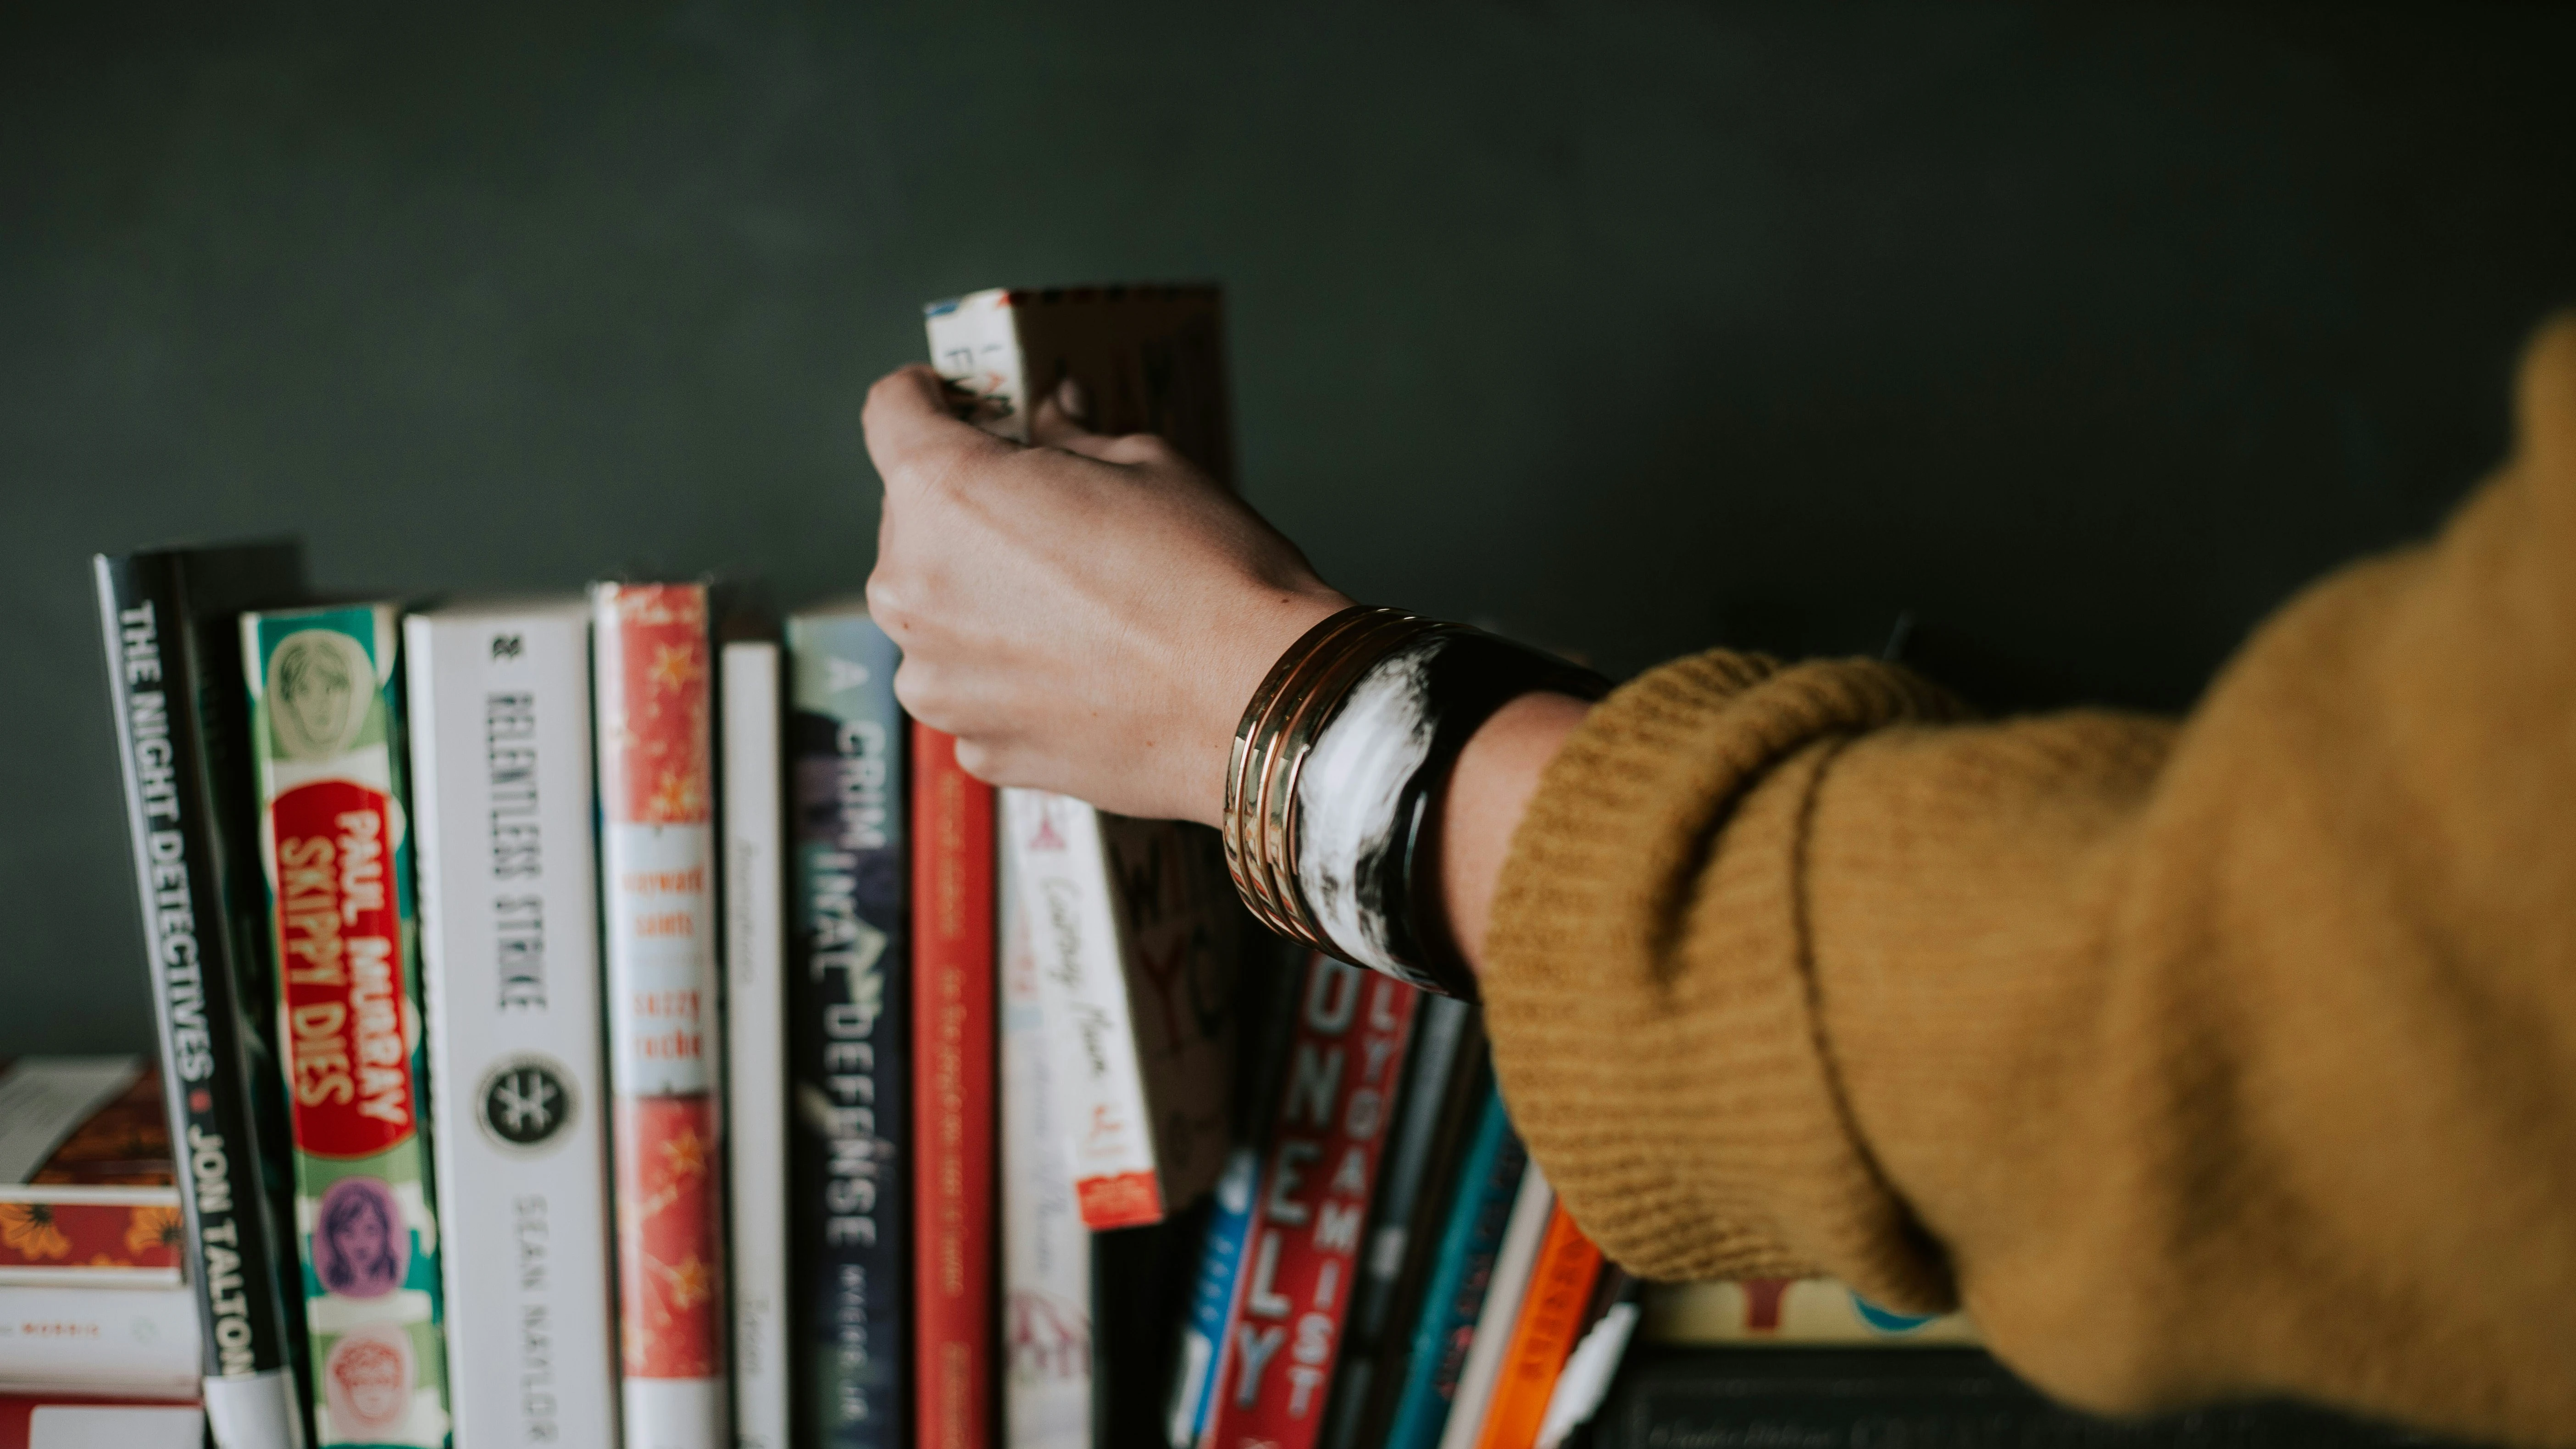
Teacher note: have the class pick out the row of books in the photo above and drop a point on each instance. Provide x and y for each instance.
(609, 1020)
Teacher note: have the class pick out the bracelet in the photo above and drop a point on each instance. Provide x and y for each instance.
(1337, 773)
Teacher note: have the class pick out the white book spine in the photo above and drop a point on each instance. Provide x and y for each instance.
(1062, 874)
(1509, 1285)
(755, 1038)
(1046, 1255)
(975, 345)
(138, 1341)
(509, 919)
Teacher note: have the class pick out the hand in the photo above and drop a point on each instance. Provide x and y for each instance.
(1088, 615)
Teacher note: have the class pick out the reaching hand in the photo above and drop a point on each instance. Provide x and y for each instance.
(1087, 615)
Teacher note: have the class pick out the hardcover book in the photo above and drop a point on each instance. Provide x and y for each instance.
(1347, 1058)
(1141, 1035)
(1150, 359)
(1552, 1314)
(657, 896)
(1443, 1073)
(1453, 1298)
(173, 656)
(509, 908)
(1271, 996)
(755, 904)
(326, 733)
(1046, 1255)
(952, 1047)
(849, 1036)
(1138, 935)
(88, 1192)
(1505, 1290)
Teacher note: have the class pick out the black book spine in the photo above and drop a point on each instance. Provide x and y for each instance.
(1448, 1044)
(207, 1047)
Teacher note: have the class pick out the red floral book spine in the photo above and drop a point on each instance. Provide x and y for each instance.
(953, 1123)
(1339, 1099)
(657, 887)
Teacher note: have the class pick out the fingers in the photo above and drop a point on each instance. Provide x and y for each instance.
(1061, 422)
(912, 437)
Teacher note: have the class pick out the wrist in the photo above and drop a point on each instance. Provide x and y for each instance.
(1265, 629)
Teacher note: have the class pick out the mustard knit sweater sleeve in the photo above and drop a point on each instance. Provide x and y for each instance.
(2230, 1056)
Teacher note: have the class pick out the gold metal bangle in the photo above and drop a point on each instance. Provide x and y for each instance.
(1300, 695)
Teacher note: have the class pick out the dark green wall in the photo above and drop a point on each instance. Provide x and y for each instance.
(2084, 332)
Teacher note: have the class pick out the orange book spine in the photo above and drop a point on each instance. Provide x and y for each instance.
(1551, 1316)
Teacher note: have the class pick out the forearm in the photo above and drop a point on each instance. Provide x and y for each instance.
(2219, 1059)
(1488, 792)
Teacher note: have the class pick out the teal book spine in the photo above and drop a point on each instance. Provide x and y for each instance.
(1488, 1180)
(326, 736)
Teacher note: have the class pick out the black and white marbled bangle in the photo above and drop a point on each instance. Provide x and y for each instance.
(1339, 768)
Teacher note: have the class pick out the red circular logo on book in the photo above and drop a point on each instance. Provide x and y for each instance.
(347, 1031)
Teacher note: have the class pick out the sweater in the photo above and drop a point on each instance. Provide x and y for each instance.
(2226, 1056)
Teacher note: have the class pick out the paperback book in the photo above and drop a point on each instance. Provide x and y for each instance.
(326, 734)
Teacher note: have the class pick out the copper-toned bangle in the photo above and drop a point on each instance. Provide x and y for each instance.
(1379, 876)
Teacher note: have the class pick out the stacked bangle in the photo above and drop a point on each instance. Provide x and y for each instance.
(1335, 781)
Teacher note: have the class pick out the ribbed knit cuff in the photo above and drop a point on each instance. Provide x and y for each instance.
(1648, 993)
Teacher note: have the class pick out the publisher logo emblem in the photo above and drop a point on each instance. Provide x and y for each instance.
(524, 1103)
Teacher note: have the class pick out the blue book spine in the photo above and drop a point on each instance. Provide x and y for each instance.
(1487, 1182)
(849, 1029)
(1212, 1297)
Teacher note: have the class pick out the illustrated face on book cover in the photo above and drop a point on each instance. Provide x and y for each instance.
(320, 686)
(368, 1380)
(359, 1249)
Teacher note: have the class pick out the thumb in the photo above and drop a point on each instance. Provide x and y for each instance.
(912, 436)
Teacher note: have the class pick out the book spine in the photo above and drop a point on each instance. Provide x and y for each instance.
(89, 1340)
(1532, 1206)
(1348, 1055)
(1061, 868)
(1180, 935)
(755, 904)
(657, 896)
(1215, 1297)
(975, 346)
(1046, 1255)
(849, 1040)
(952, 1044)
(1551, 1315)
(500, 733)
(232, 1242)
(1489, 1180)
(51, 1419)
(1441, 1031)
(326, 732)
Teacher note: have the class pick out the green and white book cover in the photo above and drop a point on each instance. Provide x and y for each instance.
(326, 722)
